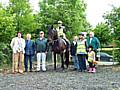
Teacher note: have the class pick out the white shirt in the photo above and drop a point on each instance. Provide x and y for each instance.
(74, 42)
(90, 40)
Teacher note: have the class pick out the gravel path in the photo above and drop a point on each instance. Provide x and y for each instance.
(106, 78)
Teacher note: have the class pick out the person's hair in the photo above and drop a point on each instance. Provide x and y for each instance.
(92, 33)
(20, 33)
(91, 47)
(28, 34)
(75, 37)
(81, 34)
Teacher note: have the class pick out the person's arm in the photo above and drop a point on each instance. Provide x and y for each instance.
(12, 43)
(86, 45)
(97, 43)
(64, 29)
(33, 46)
(94, 56)
(23, 46)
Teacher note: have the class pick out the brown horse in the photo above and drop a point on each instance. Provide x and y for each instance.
(58, 47)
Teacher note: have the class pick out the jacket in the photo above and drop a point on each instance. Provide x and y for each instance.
(81, 47)
(94, 43)
(73, 48)
(18, 45)
(41, 45)
(29, 47)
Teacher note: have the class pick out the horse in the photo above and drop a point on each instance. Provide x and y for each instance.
(58, 47)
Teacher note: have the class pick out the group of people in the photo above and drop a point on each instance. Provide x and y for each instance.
(84, 49)
(24, 50)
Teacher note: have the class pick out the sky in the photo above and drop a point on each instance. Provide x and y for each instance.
(94, 12)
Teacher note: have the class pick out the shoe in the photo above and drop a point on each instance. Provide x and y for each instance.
(31, 71)
(93, 70)
(74, 69)
(80, 70)
(37, 71)
(21, 71)
(44, 70)
(14, 72)
(25, 71)
(90, 70)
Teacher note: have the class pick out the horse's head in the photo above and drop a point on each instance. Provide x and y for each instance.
(52, 34)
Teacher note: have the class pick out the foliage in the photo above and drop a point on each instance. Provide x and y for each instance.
(23, 17)
(6, 33)
(18, 16)
(103, 32)
(71, 13)
(113, 21)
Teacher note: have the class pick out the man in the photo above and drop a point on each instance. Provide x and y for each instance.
(41, 50)
(94, 42)
(18, 45)
(29, 52)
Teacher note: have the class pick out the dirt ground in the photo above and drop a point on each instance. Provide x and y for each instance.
(106, 78)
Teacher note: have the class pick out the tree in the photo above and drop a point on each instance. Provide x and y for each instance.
(23, 17)
(71, 13)
(6, 33)
(103, 32)
(113, 21)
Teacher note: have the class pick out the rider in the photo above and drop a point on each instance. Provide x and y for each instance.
(60, 31)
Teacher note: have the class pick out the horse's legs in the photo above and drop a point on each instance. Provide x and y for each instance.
(62, 60)
(54, 61)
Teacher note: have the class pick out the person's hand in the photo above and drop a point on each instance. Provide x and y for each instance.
(46, 52)
(94, 62)
(35, 52)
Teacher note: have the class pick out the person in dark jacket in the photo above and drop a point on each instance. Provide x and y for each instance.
(29, 52)
(73, 52)
(41, 51)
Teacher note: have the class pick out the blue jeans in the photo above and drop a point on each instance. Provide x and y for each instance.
(28, 57)
(82, 61)
(75, 62)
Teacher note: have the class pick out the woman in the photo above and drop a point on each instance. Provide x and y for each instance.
(81, 52)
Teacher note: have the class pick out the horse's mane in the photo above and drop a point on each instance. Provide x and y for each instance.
(54, 32)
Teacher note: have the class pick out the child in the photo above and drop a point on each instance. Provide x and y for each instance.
(73, 52)
(91, 60)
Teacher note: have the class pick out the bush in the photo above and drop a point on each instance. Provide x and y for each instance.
(5, 55)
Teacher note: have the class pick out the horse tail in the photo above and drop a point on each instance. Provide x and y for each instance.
(67, 54)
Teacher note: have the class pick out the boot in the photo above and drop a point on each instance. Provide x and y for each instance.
(90, 70)
(93, 70)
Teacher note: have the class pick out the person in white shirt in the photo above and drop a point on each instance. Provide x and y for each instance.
(18, 45)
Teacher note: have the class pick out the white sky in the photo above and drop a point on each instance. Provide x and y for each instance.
(95, 8)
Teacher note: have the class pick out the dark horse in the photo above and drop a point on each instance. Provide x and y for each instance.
(58, 47)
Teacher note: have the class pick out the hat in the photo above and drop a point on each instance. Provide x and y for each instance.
(81, 34)
(59, 22)
(41, 32)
